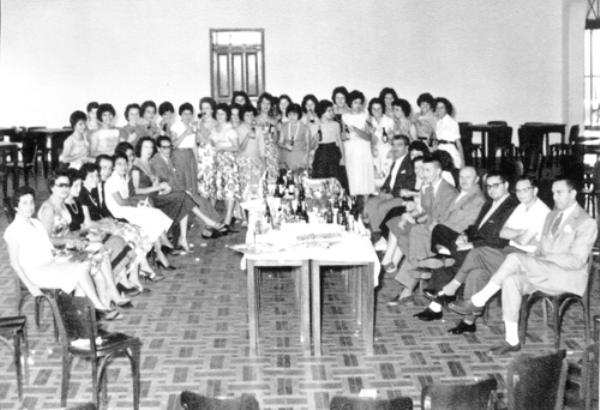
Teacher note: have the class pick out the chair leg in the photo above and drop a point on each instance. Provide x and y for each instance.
(67, 360)
(103, 383)
(38, 311)
(556, 322)
(95, 385)
(135, 375)
(523, 318)
(586, 317)
(17, 360)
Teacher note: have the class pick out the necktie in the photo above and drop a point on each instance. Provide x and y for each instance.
(101, 193)
(556, 223)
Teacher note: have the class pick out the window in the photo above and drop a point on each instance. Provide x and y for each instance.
(592, 65)
(237, 62)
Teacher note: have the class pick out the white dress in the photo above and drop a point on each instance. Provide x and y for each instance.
(383, 160)
(358, 157)
(447, 131)
(34, 255)
(152, 221)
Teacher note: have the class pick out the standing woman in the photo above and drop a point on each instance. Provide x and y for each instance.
(265, 123)
(328, 155)
(339, 96)
(382, 135)
(252, 152)
(283, 102)
(426, 120)
(388, 95)
(402, 123)
(76, 149)
(236, 119)
(205, 151)
(295, 140)
(225, 140)
(148, 121)
(240, 98)
(105, 139)
(310, 117)
(357, 147)
(447, 132)
(134, 129)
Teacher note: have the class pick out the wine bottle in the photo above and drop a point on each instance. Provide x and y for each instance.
(329, 215)
(384, 136)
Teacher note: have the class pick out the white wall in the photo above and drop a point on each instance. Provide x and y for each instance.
(494, 60)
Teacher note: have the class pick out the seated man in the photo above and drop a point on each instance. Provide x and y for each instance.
(558, 265)
(401, 176)
(523, 229)
(436, 197)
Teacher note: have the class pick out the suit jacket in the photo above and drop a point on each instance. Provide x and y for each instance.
(564, 256)
(165, 171)
(489, 233)
(436, 206)
(405, 178)
(461, 214)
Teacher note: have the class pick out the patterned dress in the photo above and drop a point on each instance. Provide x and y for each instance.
(251, 161)
(227, 179)
(265, 126)
(206, 161)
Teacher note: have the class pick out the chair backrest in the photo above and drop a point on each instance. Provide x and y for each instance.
(498, 123)
(193, 401)
(476, 396)
(359, 403)
(77, 319)
(573, 134)
(466, 133)
(537, 382)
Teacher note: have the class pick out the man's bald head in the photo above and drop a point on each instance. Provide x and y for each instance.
(467, 178)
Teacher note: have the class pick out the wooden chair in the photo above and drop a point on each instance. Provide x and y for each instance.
(193, 401)
(537, 382)
(81, 337)
(473, 154)
(559, 304)
(15, 328)
(359, 403)
(476, 396)
(48, 295)
(589, 359)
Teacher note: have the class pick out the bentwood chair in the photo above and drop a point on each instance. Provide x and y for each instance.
(560, 303)
(359, 403)
(48, 295)
(537, 382)
(81, 337)
(193, 401)
(589, 387)
(14, 329)
(476, 396)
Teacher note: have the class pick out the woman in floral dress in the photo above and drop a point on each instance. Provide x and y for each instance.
(265, 124)
(206, 152)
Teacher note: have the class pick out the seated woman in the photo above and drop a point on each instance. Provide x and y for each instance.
(76, 149)
(123, 261)
(447, 132)
(328, 154)
(56, 219)
(295, 141)
(97, 216)
(32, 256)
(105, 139)
(153, 222)
(176, 204)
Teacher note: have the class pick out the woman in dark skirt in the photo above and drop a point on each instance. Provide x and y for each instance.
(326, 163)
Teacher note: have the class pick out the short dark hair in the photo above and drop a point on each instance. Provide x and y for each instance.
(322, 106)
(120, 155)
(240, 94)
(498, 174)
(444, 158)
(247, 108)
(433, 160)
(20, 193)
(419, 146)
(293, 107)
(146, 105)
(374, 101)
(283, 97)
(77, 116)
(571, 183)
(387, 90)
(404, 106)
(425, 98)
(339, 90)
(306, 99)
(105, 107)
(532, 180)
(403, 138)
(104, 157)
(59, 173)
(447, 104)
(123, 146)
(225, 108)
(210, 101)
(355, 95)
(186, 106)
(162, 138)
(417, 159)
(165, 107)
(73, 174)
(138, 146)
(131, 107)
(91, 105)
(265, 96)
(86, 169)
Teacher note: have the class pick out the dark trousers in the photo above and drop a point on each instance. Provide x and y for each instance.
(397, 211)
(443, 236)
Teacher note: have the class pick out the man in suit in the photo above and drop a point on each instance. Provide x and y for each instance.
(436, 197)
(105, 165)
(400, 176)
(163, 168)
(559, 264)
(523, 229)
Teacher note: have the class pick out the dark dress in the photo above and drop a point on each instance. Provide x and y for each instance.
(176, 204)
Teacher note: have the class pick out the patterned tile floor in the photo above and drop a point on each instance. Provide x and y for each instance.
(194, 331)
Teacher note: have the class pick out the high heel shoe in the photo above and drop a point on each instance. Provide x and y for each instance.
(155, 277)
(162, 266)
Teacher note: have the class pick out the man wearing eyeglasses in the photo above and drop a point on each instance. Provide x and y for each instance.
(523, 230)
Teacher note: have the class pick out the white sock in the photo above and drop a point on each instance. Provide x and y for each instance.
(434, 306)
(512, 332)
(480, 298)
(451, 288)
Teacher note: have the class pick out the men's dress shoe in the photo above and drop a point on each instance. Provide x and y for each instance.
(442, 299)
(463, 327)
(431, 263)
(127, 291)
(505, 348)
(465, 308)
(428, 315)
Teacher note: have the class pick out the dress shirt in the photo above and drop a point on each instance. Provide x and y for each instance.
(531, 219)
